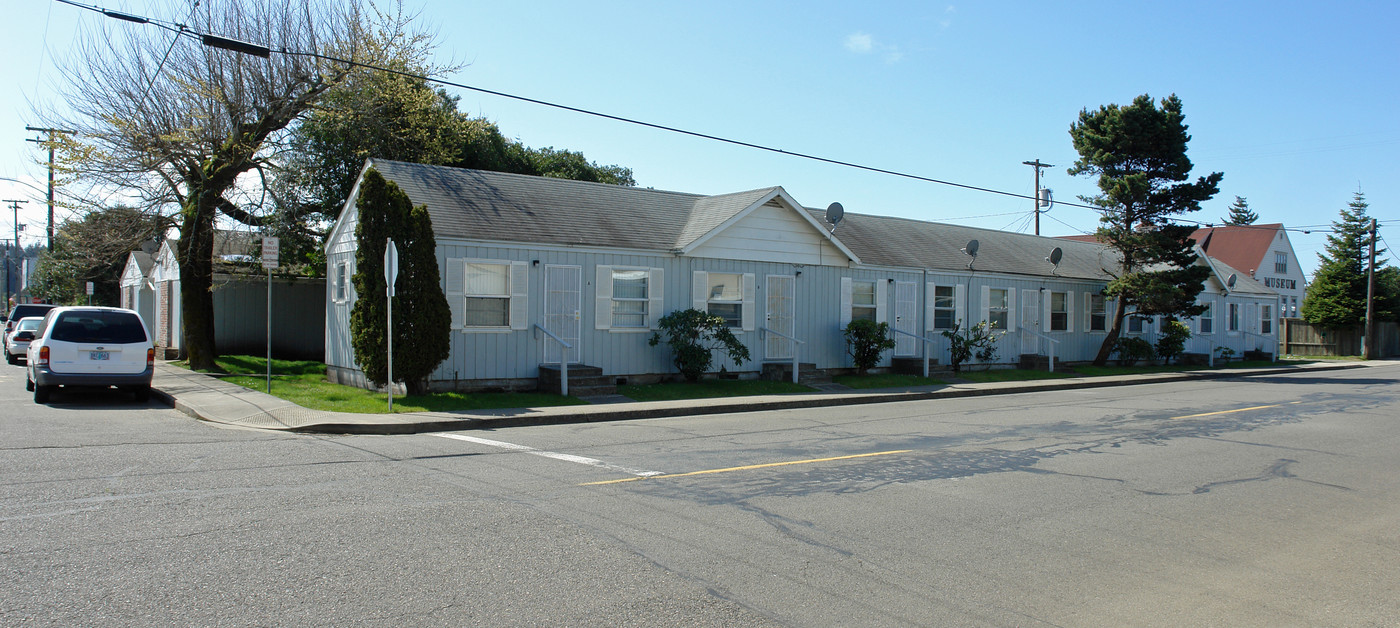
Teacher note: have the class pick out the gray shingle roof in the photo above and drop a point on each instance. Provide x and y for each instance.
(886, 241)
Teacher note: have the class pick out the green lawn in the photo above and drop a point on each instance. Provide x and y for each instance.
(886, 380)
(707, 388)
(1010, 375)
(304, 383)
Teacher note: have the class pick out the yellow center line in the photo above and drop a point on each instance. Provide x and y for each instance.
(748, 467)
(1192, 416)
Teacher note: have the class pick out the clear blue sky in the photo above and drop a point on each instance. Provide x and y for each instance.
(1295, 102)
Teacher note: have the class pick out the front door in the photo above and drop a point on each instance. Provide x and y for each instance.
(561, 310)
(781, 316)
(906, 297)
(1030, 319)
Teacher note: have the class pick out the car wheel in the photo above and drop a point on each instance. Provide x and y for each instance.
(142, 393)
(28, 384)
(10, 357)
(41, 393)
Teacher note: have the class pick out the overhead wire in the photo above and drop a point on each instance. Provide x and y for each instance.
(182, 30)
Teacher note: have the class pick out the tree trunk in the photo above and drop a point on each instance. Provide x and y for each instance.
(196, 256)
(1120, 311)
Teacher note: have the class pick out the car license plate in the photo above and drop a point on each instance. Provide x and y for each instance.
(100, 355)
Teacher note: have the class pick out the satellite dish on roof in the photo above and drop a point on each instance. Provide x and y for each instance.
(1230, 283)
(1056, 254)
(834, 213)
(971, 251)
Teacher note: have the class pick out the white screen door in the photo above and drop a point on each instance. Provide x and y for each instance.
(1030, 319)
(561, 310)
(781, 316)
(906, 297)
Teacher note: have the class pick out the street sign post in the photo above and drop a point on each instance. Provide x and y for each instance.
(270, 246)
(391, 277)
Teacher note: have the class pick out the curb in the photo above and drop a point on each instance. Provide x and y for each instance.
(406, 425)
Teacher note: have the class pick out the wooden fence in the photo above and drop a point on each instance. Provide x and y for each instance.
(1300, 338)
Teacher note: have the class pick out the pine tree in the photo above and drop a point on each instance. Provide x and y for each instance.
(1138, 153)
(1240, 214)
(422, 317)
(1337, 295)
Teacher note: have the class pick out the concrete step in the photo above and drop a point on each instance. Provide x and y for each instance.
(584, 380)
(914, 366)
(1034, 362)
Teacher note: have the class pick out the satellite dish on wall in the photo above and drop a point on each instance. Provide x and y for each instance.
(834, 213)
(1056, 254)
(1230, 283)
(971, 251)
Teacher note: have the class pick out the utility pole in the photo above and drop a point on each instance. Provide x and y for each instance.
(1368, 343)
(51, 133)
(14, 204)
(1037, 165)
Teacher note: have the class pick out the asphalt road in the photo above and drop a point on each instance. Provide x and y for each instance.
(1267, 501)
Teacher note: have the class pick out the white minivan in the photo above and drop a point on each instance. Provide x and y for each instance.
(90, 346)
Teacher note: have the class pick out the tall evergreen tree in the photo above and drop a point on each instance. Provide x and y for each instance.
(1337, 295)
(1240, 213)
(1138, 153)
(422, 318)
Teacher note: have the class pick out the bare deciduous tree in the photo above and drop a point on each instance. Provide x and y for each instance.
(195, 131)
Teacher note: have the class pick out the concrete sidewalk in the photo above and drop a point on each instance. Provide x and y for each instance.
(211, 399)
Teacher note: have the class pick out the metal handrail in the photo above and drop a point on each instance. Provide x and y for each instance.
(927, 341)
(563, 359)
(1052, 342)
(1273, 354)
(795, 351)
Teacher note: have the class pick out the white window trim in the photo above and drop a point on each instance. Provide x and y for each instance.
(337, 284)
(1234, 319)
(848, 300)
(518, 285)
(1069, 311)
(603, 298)
(959, 306)
(700, 296)
(1089, 313)
(1210, 303)
(1010, 306)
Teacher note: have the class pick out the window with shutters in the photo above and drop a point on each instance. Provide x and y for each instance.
(944, 307)
(1059, 311)
(863, 300)
(998, 308)
(1098, 313)
(630, 296)
(487, 295)
(726, 298)
(1206, 321)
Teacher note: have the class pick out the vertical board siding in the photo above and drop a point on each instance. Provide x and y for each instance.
(298, 324)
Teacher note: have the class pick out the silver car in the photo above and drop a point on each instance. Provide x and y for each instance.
(90, 346)
(17, 341)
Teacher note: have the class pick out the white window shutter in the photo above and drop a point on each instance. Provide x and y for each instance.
(882, 294)
(700, 290)
(1010, 309)
(1047, 298)
(602, 291)
(747, 314)
(986, 304)
(845, 302)
(1069, 310)
(960, 304)
(929, 291)
(657, 297)
(455, 279)
(519, 295)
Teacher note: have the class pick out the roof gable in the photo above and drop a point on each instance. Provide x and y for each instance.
(1240, 246)
(777, 226)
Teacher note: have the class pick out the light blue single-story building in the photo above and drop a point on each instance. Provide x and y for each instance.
(531, 263)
